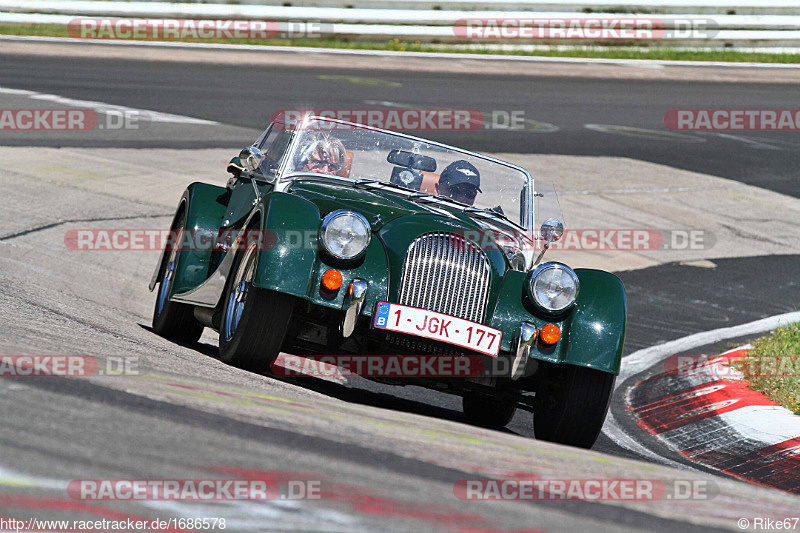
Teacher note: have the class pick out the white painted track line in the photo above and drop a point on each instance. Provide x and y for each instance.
(102, 107)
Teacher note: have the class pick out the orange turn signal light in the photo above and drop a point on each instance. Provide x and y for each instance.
(550, 334)
(332, 280)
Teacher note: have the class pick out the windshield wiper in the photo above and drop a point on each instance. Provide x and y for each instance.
(423, 197)
(367, 184)
(491, 213)
(375, 184)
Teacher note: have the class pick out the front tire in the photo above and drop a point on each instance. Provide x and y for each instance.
(573, 411)
(487, 412)
(174, 320)
(254, 321)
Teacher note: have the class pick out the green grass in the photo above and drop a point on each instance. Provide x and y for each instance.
(781, 382)
(611, 52)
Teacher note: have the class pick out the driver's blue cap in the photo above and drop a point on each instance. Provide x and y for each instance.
(461, 171)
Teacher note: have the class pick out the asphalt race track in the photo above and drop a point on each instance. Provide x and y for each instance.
(247, 97)
(386, 458)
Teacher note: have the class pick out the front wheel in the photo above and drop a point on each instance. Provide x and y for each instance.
(174, 320)
(487, 412)
(573, 410)
(254, 321)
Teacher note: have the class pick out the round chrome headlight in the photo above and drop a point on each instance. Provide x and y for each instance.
(345, 234)
(554, 286)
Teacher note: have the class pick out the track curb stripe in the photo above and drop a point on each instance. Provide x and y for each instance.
(714, 419)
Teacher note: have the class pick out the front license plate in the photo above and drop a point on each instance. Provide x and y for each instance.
(439, 327)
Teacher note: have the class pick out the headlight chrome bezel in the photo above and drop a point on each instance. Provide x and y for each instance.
(541, 269)
(333, 216)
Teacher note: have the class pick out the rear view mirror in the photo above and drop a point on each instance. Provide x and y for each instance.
(402, 158)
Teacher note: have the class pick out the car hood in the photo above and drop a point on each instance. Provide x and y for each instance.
(396, 222)
(379, 207)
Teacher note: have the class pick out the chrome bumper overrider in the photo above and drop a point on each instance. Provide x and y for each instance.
(353, 302)
(524, 342)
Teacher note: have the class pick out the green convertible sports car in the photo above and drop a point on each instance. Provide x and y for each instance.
(334, 239)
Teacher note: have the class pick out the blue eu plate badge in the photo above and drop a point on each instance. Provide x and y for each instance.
(382, 316)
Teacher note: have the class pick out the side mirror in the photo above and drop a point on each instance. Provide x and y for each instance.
(552, 230)
(251, 158)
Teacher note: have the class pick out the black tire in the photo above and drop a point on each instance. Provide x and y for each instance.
(254, 339)
(174, 320)
(487, 412)
(573, 412)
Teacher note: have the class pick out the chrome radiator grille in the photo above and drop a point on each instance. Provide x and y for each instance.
(445, 273)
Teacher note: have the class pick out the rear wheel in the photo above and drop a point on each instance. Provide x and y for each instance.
(573, 411)
(174, 320)
(487, 412)
(254, 321)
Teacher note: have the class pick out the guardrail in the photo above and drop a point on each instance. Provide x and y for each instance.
(447, 26)
(654, 7)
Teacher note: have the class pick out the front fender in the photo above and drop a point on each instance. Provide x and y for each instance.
(291, 225)
(290, 261)
(204, 205)
(593, 332)
(598, 322)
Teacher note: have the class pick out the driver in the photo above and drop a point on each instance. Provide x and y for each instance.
(322, 153)
(460, 181)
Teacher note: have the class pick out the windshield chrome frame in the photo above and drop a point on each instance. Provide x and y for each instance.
(282, 180)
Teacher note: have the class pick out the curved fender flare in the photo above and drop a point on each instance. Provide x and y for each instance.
(597, 326)
(204, 206)
(291, 233)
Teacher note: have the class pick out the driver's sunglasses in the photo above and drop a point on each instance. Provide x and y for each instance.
(319, 163)
(464, 191)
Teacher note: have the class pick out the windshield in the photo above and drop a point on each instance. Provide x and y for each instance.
(347, 150)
